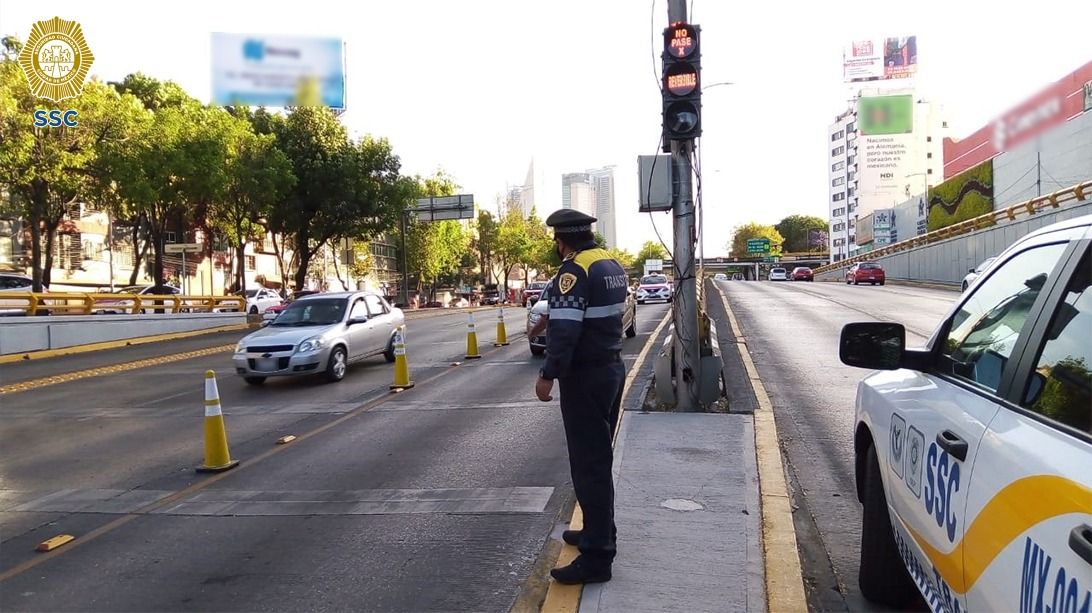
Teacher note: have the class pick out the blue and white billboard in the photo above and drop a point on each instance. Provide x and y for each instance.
(269, 70)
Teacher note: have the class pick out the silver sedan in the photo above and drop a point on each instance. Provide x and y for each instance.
(322, 333)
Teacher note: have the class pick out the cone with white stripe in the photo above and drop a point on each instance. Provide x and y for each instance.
(217, 456)
(471, 339)
(401, 366)
(502, 336)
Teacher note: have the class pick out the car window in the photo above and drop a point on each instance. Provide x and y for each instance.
(987, 326)
(869, 265)
(1061, 386)
(312, 312)
(250, 293)
(375, 305)
(653, 280)
(360, 309)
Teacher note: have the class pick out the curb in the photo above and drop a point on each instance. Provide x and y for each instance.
(566, 598)
(781, 558)
(125, 342)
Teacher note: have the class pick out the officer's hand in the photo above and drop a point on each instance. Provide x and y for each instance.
(543, 387)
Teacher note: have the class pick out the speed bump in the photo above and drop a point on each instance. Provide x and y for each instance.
(55, 542)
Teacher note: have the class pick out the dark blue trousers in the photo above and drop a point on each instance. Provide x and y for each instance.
(591, 397)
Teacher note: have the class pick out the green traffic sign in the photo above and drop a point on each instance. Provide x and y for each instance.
(758, 245)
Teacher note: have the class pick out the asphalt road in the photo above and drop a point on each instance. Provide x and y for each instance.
(792, 332)
(437, 498)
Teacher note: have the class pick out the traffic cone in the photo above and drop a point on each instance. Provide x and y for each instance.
(502, 336)
(217, 456)
(471, 339)
(401, 366)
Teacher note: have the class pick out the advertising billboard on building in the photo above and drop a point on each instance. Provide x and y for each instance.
(1061, 101)
(886, 125)
(865, 231)
(272, 70)
(879, 59)
(883, 227)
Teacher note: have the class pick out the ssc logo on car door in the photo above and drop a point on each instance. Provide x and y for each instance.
(898, 441)
(916, 444)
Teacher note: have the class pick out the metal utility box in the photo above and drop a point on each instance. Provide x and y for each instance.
(654, 178)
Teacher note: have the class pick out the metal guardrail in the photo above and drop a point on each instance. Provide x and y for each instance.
(1076, 193)
(79, 303)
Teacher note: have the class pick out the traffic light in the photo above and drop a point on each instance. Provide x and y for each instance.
(681, 83)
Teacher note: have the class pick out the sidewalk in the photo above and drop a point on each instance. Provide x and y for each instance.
(688, 516)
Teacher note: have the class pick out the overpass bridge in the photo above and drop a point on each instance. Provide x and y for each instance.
(757, 266)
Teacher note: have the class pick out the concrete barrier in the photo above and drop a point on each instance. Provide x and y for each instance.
(24, 334)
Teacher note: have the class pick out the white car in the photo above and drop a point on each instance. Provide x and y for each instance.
(258, 300)
(13, 283)
(975, 272)
(778, 274)
(120, 306)
(974, 454)
(720, 276)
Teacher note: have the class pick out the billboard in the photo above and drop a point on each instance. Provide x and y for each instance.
(886, 150)
(884, 229)
(271, 70)
(865, 230)
(879, 59)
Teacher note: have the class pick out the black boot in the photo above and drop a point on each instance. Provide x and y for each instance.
(571, 537)
(581, 571)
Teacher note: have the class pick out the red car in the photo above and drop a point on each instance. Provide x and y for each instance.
(272, 312)
(802, 273)
(533, 292)
(866, 272)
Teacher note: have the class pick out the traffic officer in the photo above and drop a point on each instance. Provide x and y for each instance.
(587, 299)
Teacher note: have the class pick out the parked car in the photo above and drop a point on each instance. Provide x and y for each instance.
(653, 287)
(720, 276)
(537, 342)
(802, 273)
(114, 307)
(866, 272)
(975, 272)
(258, 300)
(973, 454)
(321, 333)
(14, 283)
(271, 313)
(492, 295)
(532, 293)
(778, 274)
(738, 276)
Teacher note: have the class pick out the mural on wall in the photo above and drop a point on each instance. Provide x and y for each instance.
(965, 196)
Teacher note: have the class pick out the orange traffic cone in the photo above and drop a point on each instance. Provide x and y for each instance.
(471, 339)
(217, 456)
(401, 366)
(502, 336)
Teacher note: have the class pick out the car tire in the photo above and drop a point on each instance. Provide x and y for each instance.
(631, 331)
(882, 577)
(640, 302)
(336, 365)
(388, 353)
(253, 310)
(254, 380)
(537, 351)
(848, 281)
(883, 282)
(964, 287)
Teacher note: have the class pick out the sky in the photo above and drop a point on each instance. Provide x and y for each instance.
(479, 88)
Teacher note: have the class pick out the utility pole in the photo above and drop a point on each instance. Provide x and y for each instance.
(685, 306)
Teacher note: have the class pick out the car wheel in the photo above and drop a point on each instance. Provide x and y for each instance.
(847, 281)
(631, 331)
(253, 310)
(856, 282)
(254, 380)
(640, 302)
(537, 351)
(964, 287)
(388, 353)
(883, 282)
(882, 577)
(336, 367)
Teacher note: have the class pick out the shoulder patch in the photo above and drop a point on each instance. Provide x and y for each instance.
(566, 282)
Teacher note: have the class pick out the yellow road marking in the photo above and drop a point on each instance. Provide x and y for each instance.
(784, 579)
(566, 598)
(23, 386)
(141, 340)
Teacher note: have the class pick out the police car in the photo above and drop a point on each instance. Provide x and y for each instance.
(974, 454)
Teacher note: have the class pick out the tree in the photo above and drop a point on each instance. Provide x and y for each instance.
(741, 234)
(795, 228)
(514, 243)
(624, 258)
(435, 249)
(485, 243)
(651, 250)
(257, 176)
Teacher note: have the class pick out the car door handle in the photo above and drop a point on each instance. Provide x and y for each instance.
(953, 444)
(1080, 541)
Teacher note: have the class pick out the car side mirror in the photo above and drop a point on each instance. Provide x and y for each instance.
(971, 270)
(1035, 388)
(359, 319)
(874, 345)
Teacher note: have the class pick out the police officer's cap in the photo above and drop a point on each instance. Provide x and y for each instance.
(569, 221)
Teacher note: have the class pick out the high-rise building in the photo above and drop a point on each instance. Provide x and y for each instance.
(592, 192)
(885, 147)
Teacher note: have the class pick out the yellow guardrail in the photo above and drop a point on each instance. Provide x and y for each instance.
(1076, 193)
(80, 303)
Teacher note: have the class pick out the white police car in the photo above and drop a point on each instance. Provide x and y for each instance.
(974, 454)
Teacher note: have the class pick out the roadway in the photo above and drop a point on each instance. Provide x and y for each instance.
(792, 332)
(441, 497)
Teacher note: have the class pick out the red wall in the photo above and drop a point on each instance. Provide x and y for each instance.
(1052, 106)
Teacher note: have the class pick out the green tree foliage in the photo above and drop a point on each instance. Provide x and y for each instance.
(651, 250)
(435, 249)
(515, 245)
(794, 229)
(487, 233)
(741, 234)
